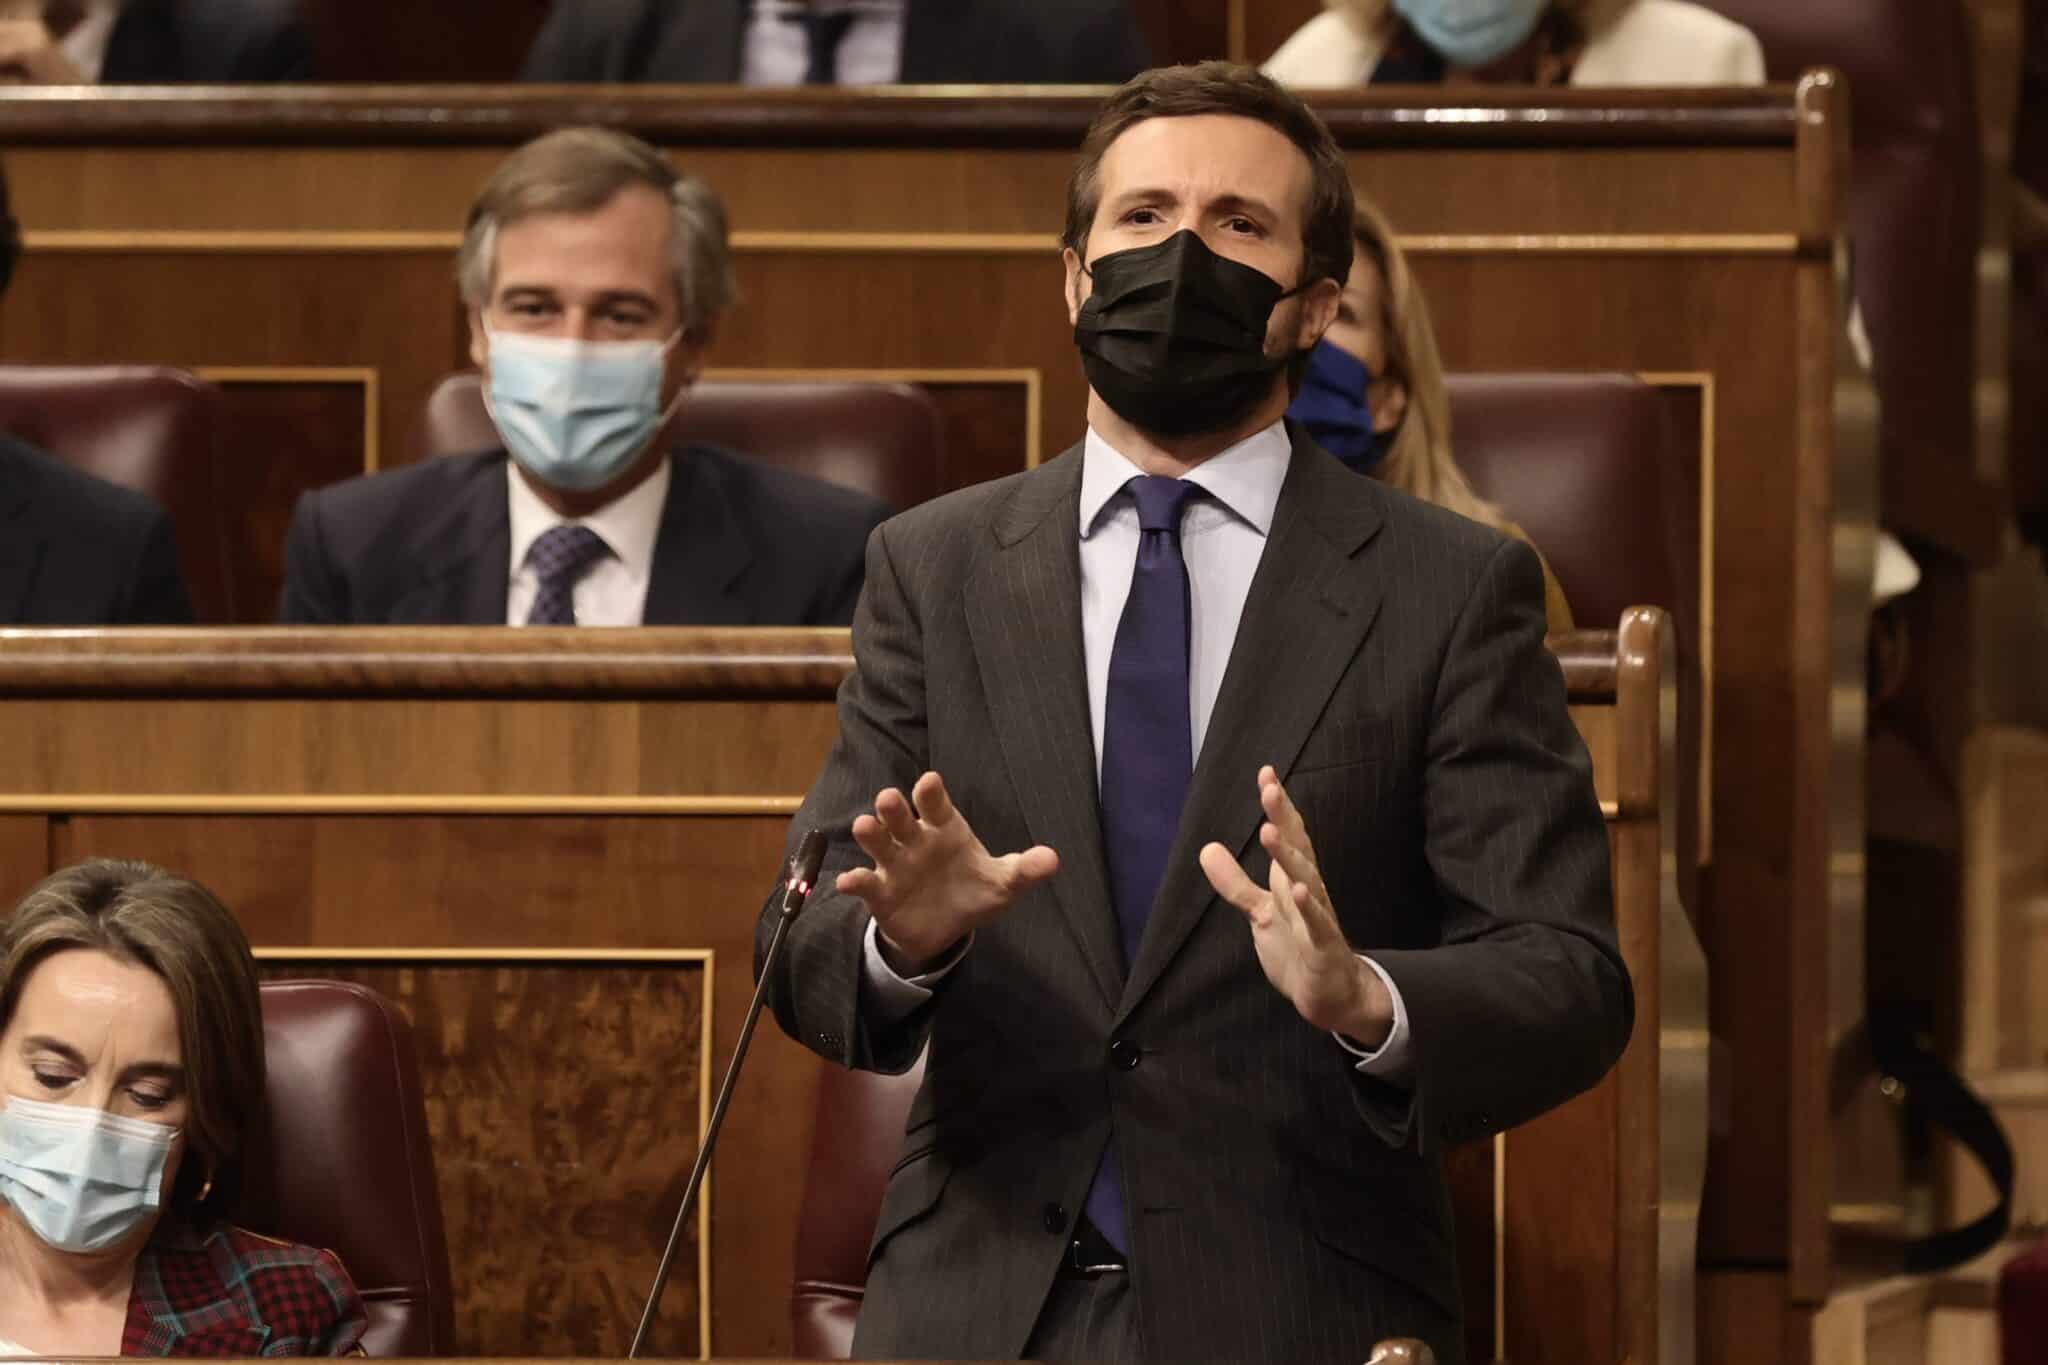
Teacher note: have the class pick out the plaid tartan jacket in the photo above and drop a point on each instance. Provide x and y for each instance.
(225, 1291)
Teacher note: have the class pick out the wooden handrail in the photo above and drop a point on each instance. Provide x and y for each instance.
(942, 116)
(491, 661)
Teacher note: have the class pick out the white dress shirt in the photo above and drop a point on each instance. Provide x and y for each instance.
(777, 49)
(1222, 538)
(86, 45)
(613, 590)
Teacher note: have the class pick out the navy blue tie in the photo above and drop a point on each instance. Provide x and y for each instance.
(559, 557)
(1147, 750)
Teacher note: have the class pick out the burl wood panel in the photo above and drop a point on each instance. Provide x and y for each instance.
(359, 884)
(563, 1102)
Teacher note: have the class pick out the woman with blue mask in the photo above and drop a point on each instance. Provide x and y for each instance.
(1521, 42)
(1374, 394)
(131, 1094)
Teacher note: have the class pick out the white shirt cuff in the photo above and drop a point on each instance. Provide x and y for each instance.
(1391, 1060)
(899, 997)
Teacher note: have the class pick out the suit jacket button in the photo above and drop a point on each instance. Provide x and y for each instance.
(1123, 1055)
(1055, 1219)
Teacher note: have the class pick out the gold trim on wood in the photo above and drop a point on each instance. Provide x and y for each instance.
(78, 242)
(1703, 380)
(116, 803)
(703, 957)
(1500, 1246)
(364, 375)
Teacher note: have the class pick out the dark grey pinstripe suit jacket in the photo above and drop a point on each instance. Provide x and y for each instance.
(1390, 663)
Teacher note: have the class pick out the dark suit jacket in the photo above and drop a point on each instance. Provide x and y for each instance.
(742, 543)
(207, 42)
(1390, 663)
(78, 551)
(975, 42)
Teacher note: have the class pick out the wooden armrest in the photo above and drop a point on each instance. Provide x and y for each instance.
(1402, 1351)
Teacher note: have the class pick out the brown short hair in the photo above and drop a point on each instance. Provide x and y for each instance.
(1224, 88)
(137, 913)
(580, 170)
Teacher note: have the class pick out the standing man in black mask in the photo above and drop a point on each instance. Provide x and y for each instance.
(1211, 814)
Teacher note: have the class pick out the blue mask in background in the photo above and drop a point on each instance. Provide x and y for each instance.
(1470, 33)
(1332, 405)
(83, 1179)
(576, 414)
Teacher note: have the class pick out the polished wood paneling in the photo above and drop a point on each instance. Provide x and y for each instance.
(561, 1098)
(1269, 23)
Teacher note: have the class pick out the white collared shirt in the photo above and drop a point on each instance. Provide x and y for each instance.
(613, 590)
(777, 49)
(1222, 538)
(86, 46)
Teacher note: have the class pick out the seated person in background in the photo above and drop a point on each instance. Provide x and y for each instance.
(1536, 42)
(74, 550)
(1374, 394)
(131, 1095)
(839, 42)
(595, 275)
(152, 42)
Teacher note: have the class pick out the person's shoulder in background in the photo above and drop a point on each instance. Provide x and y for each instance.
(1671, 42)
(809, 536)
(79, 551)
(582, 41)
(1329, 51)
(209, 42)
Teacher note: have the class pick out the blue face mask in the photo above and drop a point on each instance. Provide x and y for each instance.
(82, 1179)
(1470, 33)
(1332, 405)
(576, 414)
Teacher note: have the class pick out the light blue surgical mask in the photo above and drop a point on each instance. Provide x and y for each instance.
(576, 414)
(83, 1179)
(1470, 33)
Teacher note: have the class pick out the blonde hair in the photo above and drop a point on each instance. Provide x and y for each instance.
(1376, 18)
(1419, 461)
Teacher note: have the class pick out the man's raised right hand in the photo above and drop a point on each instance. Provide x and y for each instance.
(933, 883)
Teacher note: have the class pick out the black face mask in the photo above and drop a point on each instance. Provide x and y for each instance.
(1174, 336)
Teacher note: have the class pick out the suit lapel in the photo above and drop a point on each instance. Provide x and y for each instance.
(1311, 604)
(700, 553)
(1024, 617)
(464, 559)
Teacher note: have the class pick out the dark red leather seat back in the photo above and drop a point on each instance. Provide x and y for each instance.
(353, 1168)
(859, 1135)
(1591, 466)
(153, 430)
(883, 439)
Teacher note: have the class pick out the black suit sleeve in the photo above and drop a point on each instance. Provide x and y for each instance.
(841, 593)
(282, 54)
(571, 46)
(1110, 49)
(817, 991)
(1527, 1001)
(156, 593)
(313, 594)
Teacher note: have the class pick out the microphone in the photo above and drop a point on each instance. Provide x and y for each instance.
(796, 889)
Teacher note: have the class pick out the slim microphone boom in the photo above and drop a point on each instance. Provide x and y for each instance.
(796, 889)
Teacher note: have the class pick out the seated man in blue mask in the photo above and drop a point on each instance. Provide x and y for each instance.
(595, 275)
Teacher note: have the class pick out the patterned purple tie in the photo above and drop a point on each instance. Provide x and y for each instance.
(560, 557)
(1147, 750)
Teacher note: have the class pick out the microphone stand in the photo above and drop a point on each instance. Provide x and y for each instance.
(796, 889)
